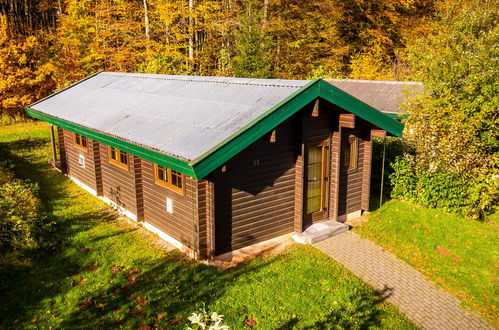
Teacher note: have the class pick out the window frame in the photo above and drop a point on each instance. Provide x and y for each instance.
(79, 145)
(117, 162)
(169, 185)
(352, 144)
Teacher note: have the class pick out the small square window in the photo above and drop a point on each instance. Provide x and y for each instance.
(118, 157)
(169, 178)
(80, 142)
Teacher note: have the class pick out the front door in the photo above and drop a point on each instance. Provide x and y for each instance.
(315, 190)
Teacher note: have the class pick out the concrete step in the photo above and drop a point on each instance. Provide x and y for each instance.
(320, 231)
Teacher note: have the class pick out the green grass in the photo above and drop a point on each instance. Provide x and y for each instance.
(469, 270)
(108, 274)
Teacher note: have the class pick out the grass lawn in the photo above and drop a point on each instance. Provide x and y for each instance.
(108, 274)
(459, 254)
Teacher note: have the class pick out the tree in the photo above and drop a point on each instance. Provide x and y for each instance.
(454, 126)
(25, 74)
(253, 46)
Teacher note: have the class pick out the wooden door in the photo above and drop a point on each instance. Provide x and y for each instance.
(316, 179)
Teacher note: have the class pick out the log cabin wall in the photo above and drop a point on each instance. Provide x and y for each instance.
(255, 191)
(86, 173)
(355, 184)
(117, 182)
(182, 224)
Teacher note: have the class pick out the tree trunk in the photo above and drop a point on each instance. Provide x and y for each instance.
(265, 13)
(146, 20)
(191, 31)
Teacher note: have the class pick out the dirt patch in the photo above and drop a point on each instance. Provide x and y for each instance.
(358, 221)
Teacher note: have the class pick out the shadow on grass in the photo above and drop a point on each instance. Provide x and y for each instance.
(29, 277)
(361, 312)
(162, 297)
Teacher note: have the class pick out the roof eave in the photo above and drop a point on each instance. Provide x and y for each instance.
(131, 148)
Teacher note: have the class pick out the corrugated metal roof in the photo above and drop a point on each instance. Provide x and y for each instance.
(183, 116)
(386, 96)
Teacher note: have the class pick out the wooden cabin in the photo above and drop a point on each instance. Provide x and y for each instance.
(214, 164)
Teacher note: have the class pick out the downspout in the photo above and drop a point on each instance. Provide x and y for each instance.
(382, 174)
(52, 138)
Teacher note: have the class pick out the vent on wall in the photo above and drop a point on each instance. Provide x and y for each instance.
(169, 205)
(81, 161)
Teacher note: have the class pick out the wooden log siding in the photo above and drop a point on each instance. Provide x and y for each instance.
(202, 187)
(366, 175)
(139, 193)
(255, 197)
(334, 182)
(298, 215)
(350, 189)
(182, 224)
(117, 182)
(62, 150)
(85, 175)
(98, 168)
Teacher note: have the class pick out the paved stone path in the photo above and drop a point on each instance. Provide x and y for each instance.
(422, 301)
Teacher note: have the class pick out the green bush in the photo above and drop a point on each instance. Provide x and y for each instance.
(452, 192)
(23, 222)
(394, 147)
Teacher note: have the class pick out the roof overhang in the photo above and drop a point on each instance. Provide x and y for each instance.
(221, 153)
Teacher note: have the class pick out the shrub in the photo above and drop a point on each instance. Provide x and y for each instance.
(23, 222)
(452, 192)
(394, 147)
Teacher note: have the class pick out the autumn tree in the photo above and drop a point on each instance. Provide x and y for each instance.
(25, 72)
(454, 126)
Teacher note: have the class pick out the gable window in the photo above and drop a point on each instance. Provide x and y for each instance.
(118, 157)
(80, 142)
(350, 153)
(169, 178)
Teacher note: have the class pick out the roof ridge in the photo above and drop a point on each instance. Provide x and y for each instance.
(193, 79)
(393, 82)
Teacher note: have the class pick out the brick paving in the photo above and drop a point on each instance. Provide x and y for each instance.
(422, 301)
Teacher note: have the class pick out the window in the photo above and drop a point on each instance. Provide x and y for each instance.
(350, 152)
(118, 157)
(80, 142)
(169, 178)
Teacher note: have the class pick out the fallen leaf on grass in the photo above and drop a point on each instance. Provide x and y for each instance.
(176, 320)
(250, 322)
(116, 269)
(79, 283)
(87, 303)
(141, 300)
(443, 251)
(132, 279)
(93, 267)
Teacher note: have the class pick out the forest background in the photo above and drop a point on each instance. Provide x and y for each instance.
(46, 45)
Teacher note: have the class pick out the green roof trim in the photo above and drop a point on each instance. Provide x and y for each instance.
(255, 129)
(245, 136)
(357, 107)
(136, 150)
